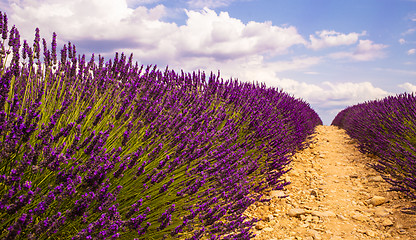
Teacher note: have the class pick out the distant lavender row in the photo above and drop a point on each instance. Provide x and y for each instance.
(387, 129)
(106, 150)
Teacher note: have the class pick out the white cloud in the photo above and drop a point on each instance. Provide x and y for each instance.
(219, 36)
(411, 51)
(365, 51)
(312, 73)
(409, 31)
(328, 94)
(141, 2)
(333, 38)
(413, 17)
(402, 41)
(408, 87)
(349, 93)
(399, 71)
(208, 3)
(92, 20)
(296, 63)
(206, 34)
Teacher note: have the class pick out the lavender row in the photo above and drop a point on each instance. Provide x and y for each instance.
(387, 129)
(95, 149)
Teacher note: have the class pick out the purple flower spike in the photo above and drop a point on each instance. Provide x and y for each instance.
(4, 27)
(126, 134)
(143, 230)
(54, 59)
(80, 205)
(36, 44)
(18, 226)
(98, 117)
(25, 50)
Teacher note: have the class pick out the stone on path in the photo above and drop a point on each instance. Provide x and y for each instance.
(376, 179)
(381, 212)
(277, 194)
(296, 212)
(360, 217)
(323, 214)
(370, 233)
(377, 200)
(387, 222)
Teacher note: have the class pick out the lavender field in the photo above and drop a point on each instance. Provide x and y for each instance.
(107, 149)
(386, 128)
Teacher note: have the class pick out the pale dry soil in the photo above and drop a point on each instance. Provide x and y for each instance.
(334, 194)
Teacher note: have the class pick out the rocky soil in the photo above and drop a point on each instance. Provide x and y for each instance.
(333, 194)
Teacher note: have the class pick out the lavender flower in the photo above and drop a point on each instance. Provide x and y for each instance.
(4, 26)
(18, 226)
(36, 44)
(54, 59)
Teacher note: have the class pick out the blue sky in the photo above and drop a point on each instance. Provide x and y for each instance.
(331, 53)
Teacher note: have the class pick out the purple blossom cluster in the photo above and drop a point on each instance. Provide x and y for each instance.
(386, 128)
(110, 149)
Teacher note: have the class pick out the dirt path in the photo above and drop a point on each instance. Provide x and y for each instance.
(333, 195)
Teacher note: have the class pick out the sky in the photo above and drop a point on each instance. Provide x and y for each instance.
(330, 53)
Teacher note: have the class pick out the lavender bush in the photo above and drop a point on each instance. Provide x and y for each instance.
(387, 129)
(109, 149)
